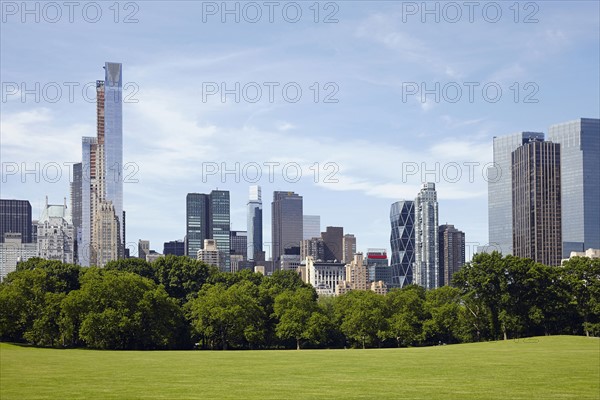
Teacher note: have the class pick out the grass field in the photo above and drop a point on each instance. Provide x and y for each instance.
(560, 367)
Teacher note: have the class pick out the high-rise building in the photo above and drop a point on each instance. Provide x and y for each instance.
(197, 222)
(500, 190)
(451, 253)
(102, 170)
(286, 225)
(76, 207)
(174, 247)
(143, 248)
(536, 202)
(323, 276)
(333, 239)
(311, 226)
(15, 217)
(255, 225)
(211, 254)
(106, 235)
(220, 223)
(56, 233)
(426, 265)
(377, 266)
(313, 247)
(349, 246)
(402, 242)
(356, 273)
(580, 183)
(239, 243)
(13, 251)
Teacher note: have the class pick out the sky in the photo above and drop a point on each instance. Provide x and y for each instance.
(351, 104)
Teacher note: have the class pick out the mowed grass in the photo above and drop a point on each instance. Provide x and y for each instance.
(560, 367)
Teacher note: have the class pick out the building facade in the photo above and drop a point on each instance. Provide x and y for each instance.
(13, 251)
(349, 246)
(56, 234)
(451, 252)
(143, 248)
(255, 225)
(500, 190)
(106, 234)
(313, 247)
(15, 217)
(377, 266)
(174, 247)
(536, 202)
(286, 225)
(580, 182)
(333, 239)
(197, 222)
(402, 242)
(426, 265)
(211, 254)
(220, 223)
(311, 226)
(323, 276)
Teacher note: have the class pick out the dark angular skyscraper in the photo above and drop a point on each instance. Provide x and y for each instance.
(333, 240)
(15, 217)
(286, 225)
(536, 202)
(220, 224)
(451, 252)
(402, 242)
(255, 225)
(197, 222)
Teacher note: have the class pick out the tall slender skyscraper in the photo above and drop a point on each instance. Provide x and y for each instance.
(286, 225)
(255, 225)
(402, 242)
(426, 266)
(580, 183)
(500, 190)
(349, 245)
(536, 202)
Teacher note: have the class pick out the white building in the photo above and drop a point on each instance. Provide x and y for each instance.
(210, 254)
(426, 266)
(13, 251)
(323, 276)
(56, 234)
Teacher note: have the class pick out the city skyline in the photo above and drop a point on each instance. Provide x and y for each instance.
(378, 141)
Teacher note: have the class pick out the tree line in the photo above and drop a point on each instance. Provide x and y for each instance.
(180, 303)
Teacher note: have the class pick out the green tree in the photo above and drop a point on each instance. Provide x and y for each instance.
(361, 315)
(406, 315)
(582, 275)
(136, 265)
(294, 310)
(181, 276)
(445, 322)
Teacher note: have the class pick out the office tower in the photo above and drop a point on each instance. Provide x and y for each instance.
(56, 233)
(402, 242)
(426, 266)
(197, 222)
(89, 199)
(255, 225)
(220, 223)
(356, 273)
(349, 246)
(239, 243)
(311, 226)
(377, 266)
(76, 207)
(12, 251)
(15, 217)
(174, 247)
(106, 235)
(333, 238)
(286, 225)
(313, 247)
(536, 202)
(143, 248)
(500, 190)
(451, 252)
(211, 254)
(580, 183)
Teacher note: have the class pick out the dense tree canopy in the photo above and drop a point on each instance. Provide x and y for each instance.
(175, 302)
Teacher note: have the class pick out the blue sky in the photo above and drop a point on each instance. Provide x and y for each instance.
(379, 136)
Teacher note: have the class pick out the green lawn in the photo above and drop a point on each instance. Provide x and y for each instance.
(559, 367)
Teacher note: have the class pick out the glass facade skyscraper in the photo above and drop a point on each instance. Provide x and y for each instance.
(15, 216)
(255, 224)
(426, 267)
(286, 225)
(197, 222)
(402, 242)
(220, 225)
(500, 190)
(311, 226)
(580, 182)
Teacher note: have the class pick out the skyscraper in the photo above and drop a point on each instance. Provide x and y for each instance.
(76, 207)
(255, 225)
(426, 267)
(197, 222)
(174, 247)
(239, 243)
(349, 245)
(500, 190)
(333, 239)
(580, 183)
(451, 252)
(536, 202)
(311, 226)
(220, 224)
(15, 217)
(402, 242)
(377, 266)
(286, 225)
(56, 234)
